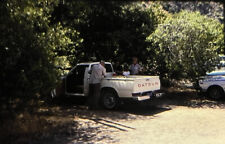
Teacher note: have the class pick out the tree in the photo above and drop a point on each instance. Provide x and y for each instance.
(187, 45)
(111, 30)
(210, 8)
(31, 46)
(38, 36)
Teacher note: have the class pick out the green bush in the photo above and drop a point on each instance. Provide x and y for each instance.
(187, 45)
(31, 46)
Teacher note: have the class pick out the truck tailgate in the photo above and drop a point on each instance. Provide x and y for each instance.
(146, 84)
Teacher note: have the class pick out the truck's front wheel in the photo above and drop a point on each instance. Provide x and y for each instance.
(109, 99)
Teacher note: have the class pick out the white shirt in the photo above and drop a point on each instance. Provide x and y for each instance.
(97, 74)
(134, 69)
(126, 73)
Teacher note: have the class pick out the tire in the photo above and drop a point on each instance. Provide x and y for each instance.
(215, 93)
(109, 99)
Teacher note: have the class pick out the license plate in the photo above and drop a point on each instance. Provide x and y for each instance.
(143, 98)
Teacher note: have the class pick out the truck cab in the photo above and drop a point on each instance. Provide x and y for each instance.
(75, 81)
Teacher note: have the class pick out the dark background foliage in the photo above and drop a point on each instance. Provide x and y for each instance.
(38, 39)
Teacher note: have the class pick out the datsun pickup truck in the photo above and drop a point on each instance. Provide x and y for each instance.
(113, 88)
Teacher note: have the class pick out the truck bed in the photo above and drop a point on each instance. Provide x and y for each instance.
(133, 85)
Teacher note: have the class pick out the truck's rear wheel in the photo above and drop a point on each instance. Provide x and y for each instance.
(215, 92)
(109, 99)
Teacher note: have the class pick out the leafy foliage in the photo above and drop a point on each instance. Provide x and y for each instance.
(111, 30)
(187, 45)
(31, 46)
(210, 8)
(39, 37)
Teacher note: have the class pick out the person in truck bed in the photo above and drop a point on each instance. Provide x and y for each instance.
(135, 68)
(126, 71)
(98, 72)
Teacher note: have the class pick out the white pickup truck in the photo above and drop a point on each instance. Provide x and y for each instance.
(113, 88)
(213, 84)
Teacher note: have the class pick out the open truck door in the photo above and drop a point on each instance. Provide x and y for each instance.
(74, 82)
(86, 81)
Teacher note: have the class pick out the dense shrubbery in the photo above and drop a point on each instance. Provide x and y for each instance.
(210, 8)
(36, 37)
(188, 44)
(30, 47)
(112, 30)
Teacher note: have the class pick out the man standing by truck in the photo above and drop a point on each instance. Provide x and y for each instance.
(98, 72)
(135, 68)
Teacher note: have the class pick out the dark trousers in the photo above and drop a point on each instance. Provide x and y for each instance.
(94, 96)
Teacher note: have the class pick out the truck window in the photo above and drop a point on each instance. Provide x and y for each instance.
(108, 67)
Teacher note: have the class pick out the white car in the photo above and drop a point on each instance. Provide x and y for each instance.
(222, 61)
(113, 88)
(213, 84)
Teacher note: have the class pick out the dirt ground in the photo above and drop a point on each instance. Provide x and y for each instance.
(179, 117)
(180, 125)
